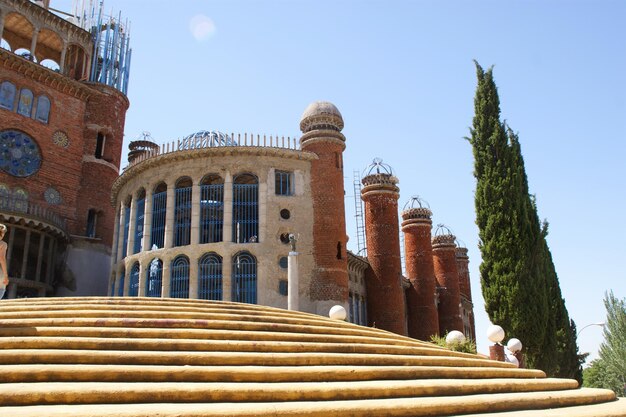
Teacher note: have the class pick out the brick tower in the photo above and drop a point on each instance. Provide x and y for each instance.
(447, 274)
(423, 318)
(321, 125)
(63, 105)
(386, 300)
(465, 290)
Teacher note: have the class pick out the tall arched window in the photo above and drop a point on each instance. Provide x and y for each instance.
(7, 95)
(20, 200)
(43, 109)
(244, 274)
(211, 209)
(139, 216)
(154, 278)
(25, 105)
(210, 277)
(133, 290)
(182, 212)
(179, 281)
(120, 284)
(245, 208)
(126, 227)
(159, 207)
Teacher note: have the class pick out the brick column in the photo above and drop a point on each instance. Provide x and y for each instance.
(385, 294)
(423, 318)
(447, 274)
(321, 125)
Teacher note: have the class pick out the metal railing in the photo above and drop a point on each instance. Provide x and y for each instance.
(21, 206)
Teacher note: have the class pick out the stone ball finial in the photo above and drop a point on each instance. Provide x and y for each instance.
(321, 115)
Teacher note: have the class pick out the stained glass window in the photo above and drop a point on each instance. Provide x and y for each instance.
(7, 95)
(19, 154)
(43, 109)
(25, 105)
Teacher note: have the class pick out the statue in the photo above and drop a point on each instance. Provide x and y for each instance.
(292, 242)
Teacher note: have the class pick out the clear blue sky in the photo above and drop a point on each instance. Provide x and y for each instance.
(401, 73)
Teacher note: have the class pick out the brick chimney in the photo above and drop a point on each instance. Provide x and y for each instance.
(447, 275)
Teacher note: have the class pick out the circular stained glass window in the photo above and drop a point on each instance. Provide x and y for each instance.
(19, 153)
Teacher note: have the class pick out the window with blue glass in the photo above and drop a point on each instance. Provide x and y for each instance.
(139, 216)
(25, 103)
(182, 212)
(154, 278)
(43, 109)
(120, 285)
(245, 209)
(126, 227)
(133, 289)
(211, 209)
(159, 208)
(284, 184)
(210, 277)
(244, 278)
(179, 277)
(19, 153)
(7, 95)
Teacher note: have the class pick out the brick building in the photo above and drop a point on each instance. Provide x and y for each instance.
(62, 111)
(208, 216)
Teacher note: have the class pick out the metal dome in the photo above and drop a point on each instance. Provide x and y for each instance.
(209, 138)
(443, 230)
(416, 202)
(378, 167)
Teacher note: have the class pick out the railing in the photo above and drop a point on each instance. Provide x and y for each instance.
(211, 141)
(21, 206)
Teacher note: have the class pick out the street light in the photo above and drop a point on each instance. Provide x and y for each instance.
(601, 324)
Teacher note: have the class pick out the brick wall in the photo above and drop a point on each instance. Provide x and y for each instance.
(447, 274)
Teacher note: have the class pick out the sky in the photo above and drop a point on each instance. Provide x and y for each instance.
(403, 77)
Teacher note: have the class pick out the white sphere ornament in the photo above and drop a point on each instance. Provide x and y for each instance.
(337, 313)
(495, 333)
(514, 345)
(455, 337)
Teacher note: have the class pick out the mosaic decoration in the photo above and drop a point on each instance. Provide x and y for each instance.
(60, 139)
(52, 196)
(19, 154)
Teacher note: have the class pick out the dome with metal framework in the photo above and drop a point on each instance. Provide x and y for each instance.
(416, 208)
(379, 173)
(206, 139)
(321, 115)
(443, 236)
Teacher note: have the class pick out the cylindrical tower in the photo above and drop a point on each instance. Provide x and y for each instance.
(321, 125)
(462, 263)
(385, 294)
(447, 275)
(423, 318)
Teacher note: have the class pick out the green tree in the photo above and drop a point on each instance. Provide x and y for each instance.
(609, 370)
(519, 282)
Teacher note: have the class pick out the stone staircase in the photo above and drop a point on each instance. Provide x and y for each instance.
(165, 357)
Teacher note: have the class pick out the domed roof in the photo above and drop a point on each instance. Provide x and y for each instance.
(140, 356)
(321, 115)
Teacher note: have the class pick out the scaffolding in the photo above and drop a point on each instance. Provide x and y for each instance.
(358, 215)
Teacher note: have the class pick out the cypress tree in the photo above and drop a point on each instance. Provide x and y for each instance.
(518, 278)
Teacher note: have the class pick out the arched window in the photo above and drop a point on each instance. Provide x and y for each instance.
(154, 278)
(245, 208)
(139, 216)
(126, 227)
(25, 104)
(182, 212)
(120, 285)
(179, 281)
(211, 209)
(159, 207)
(245, 280)
(4, 44)
(20, 200)
(210, 277)
(7, 95)
(5, 197)
(133, 290)
(43, 109)
(92, 222)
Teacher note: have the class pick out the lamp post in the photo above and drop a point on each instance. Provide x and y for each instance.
(601, 324)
